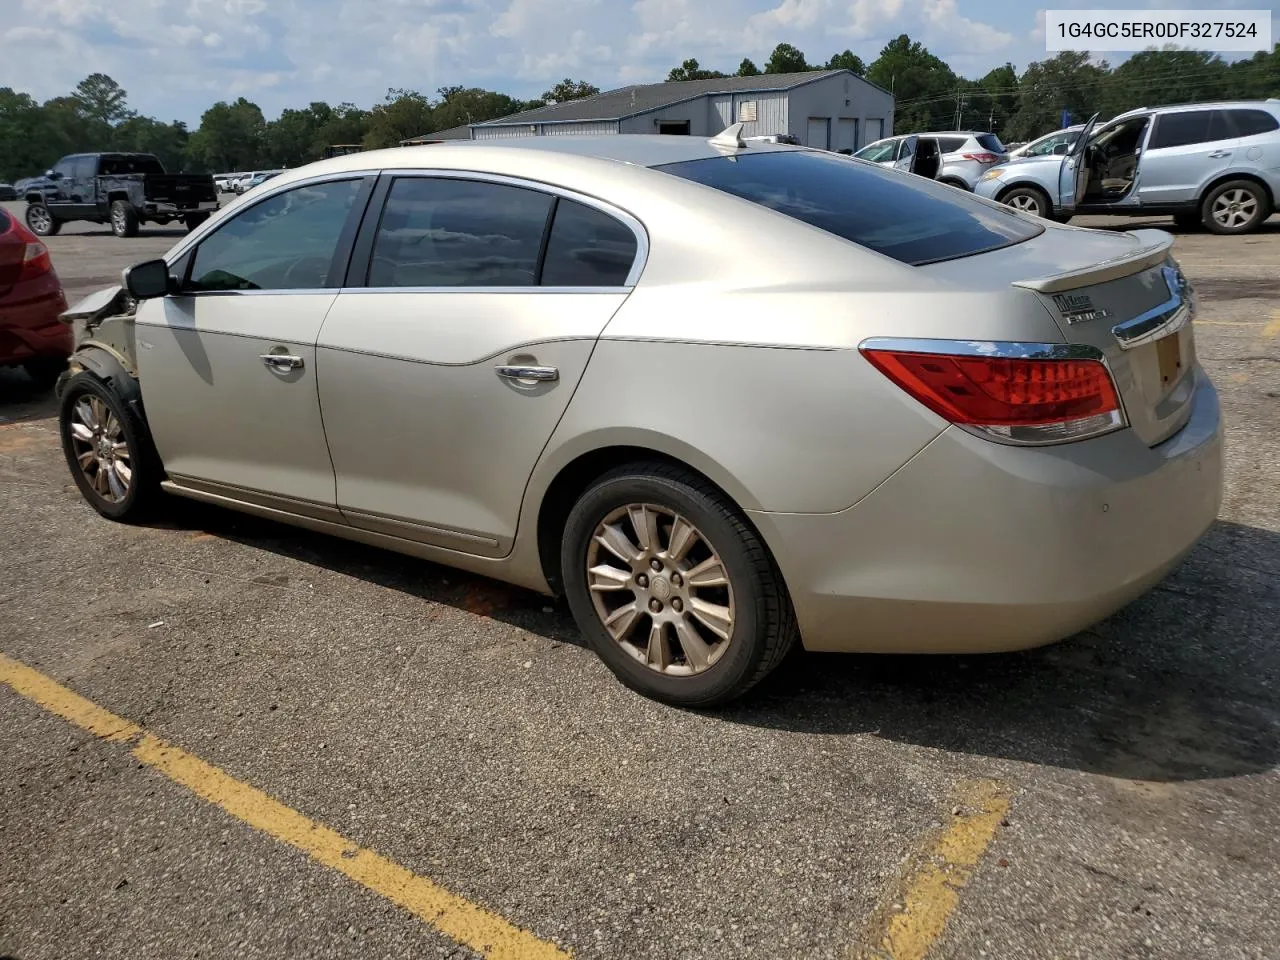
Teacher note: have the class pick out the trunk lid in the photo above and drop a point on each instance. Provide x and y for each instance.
(1120, 293)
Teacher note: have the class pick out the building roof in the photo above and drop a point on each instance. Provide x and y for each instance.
(644, 98)
(453, 133)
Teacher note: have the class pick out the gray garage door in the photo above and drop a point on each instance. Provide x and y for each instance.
(819, 133)
(847, 133)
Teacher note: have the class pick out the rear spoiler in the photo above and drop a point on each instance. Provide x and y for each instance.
(1154, 249)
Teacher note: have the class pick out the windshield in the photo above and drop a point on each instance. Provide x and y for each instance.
(913, 220)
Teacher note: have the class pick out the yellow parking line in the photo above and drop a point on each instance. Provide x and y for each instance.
(468, 923)
(930, 894)
(1272, 329)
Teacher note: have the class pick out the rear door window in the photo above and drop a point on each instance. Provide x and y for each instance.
(1181, 129)
(951, 144)
(587, 248)
(878, 152)
(910, 219)
(442, 232)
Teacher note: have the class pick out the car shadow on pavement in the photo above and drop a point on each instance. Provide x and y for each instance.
(21, 399)
(1180, 685)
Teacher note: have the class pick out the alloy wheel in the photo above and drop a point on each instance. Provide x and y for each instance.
(1234, 208)
(101, 451)
(40, 220)
(1024, 202)
(660, 589)
(118, 223)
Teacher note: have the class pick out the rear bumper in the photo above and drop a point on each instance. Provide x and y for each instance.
(976, 547)
(29, 324)
(176, 210)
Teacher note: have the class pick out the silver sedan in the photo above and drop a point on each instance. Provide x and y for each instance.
(723, 396)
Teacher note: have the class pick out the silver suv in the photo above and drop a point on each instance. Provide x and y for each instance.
(1216, 164)
(957, 158)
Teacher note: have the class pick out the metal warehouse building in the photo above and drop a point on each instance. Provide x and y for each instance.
(830, 109)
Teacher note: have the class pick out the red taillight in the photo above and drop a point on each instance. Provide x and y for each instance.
(35, 261)
(1021, 399)
(982, 157)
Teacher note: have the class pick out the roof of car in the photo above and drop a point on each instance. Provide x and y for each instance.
(643, 150)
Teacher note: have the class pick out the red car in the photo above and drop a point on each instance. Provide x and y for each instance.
(31, 298)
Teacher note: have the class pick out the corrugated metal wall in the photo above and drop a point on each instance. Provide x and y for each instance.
(721, 112)
(588, 128)
(502, 133)
(771, 113)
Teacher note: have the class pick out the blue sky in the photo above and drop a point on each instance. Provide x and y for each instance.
(176, 57)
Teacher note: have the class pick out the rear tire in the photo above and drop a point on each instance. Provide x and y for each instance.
(1030, 200)
(698, 642)
(41, 222)
(124, 219)
(193, 220)
(108, 450)
(1237, 206)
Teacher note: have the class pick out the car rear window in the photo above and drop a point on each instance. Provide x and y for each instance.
(910, 219)
(1249, 123)
(990, 142)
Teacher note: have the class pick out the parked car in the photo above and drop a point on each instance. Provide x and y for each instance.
(260, 178)
(1211, 164)
(957, 159)
(1056, 142)
(968, 430)
(775, 138)
(31, 300)
(7, 192)
(241, 183)
(122, 189)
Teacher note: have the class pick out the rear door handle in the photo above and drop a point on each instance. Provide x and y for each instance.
(526, 374)
(282, 361)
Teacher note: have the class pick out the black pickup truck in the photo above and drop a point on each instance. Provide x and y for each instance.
(122, 189)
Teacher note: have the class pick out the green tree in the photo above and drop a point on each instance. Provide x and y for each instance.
(1258, 77)
(747, 68)
(464, 105)
(347, 124)
(786, 59)
(568, 89)
(168, 141)
(401, 115)
(292, 138)
(102, 99)
(847, 61)
(1066, 81)
(690, 70)
(23, 150)
(231, 137)
(1153, 78)
(924, 87)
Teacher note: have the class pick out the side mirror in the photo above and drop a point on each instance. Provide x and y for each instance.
(147, 280)
(1061, 149)
(53, 174)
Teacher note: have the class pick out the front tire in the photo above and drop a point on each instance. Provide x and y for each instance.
(108, 450)
(1237, 206)
(1029, 200)
(41, 221)
(124, 219)
(672, 588)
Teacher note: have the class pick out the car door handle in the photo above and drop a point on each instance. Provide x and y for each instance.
(282, 361)
(1219, 154)
(519, 372)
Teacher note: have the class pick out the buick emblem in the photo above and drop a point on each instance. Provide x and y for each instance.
(1078, 308)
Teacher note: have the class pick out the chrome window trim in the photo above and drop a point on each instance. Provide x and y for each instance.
(1161, 320)
(1102, 424)
(436, 291)
(541, 186)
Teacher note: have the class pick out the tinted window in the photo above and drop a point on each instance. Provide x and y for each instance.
(1180, 129)
(587, 248)
(1248, 123)
(137, 163)
(286, 242)
(66, 166)
(910, 219)
(458, 233)
(878, 152)
(990, 141)
(951, 144)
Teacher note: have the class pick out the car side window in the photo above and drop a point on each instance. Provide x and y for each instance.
(878, 152)
(85, 168)
(1181, 129)
(445, 232)
(1046, 145)
(587, 248)
(1250, 123)
(286, 242)
(950, 144)
(65, 167)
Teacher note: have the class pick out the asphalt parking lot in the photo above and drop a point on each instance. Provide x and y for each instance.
(1112, 796)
